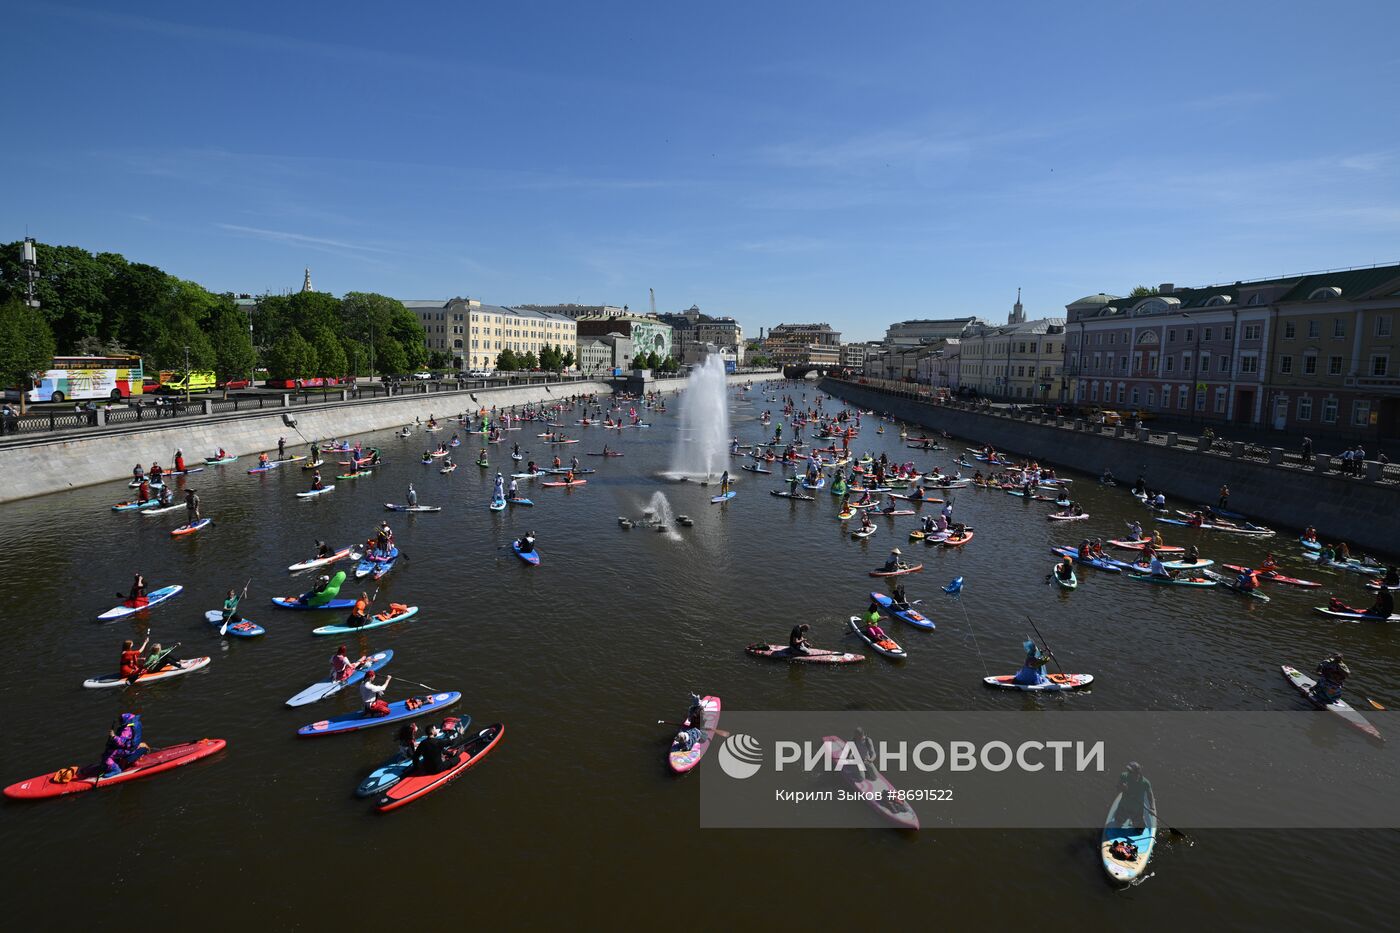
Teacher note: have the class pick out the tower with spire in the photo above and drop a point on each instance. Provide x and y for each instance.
(1018, 313)
(306, 283)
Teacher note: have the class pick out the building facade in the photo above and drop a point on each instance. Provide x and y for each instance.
(916, 333)
(599, 356)
(648, 334)
(791, 344)
(474, 333)
(692, 331)
(575, 311)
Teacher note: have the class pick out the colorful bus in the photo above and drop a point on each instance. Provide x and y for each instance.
(89, 377)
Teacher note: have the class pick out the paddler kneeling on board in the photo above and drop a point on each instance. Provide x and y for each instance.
(1065, 570)
(692, 729)
(1384, 606)
(167, 496)
(124, 745)
(1156, 569)
(372, 694)
(316, 483)
(872, 623)
(136, 598)
(1032, 672)
(1332, 672)
(131, 666)
(1247, 581)
(797, 640)
(323, 550)
(865, 523)
(359, 614)
(342, 667)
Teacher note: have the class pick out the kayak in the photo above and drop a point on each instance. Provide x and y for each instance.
(191, 528)
(1357, 616)
(1098, 563)
(313, 493)
(1234, 585)
(520, 501)
(886, 646)
(412, 786)
(398, 710)
(1141, 543)
(557, 484)
(1139, 838)
(531, 557)
(153, 598)
(1173, 581)
(216, 461)
(90, 777)
(957, 540)
(389, 773)
(797, 496)
(389, 506)
(869, 784)
(1340, 707)
(133, 504)
(315, 562)
(910, 615)
(245, 628)
(329, 688)
(813, 655)
(1071, 583)
(186, 666)
(379, 620)
(723, 497)
(897, 573)
(1056, 682)
(1186, 565)
(683, 760)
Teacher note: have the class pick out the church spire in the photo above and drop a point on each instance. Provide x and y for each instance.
(306, 282)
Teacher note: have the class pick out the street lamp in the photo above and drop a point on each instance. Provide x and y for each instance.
(187, 376)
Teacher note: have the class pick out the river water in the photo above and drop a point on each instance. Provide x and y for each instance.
(574, 818)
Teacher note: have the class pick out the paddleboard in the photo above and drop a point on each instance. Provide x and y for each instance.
(1141, 838)
(897, 573)
(375, 621)
(313, 493)
(414, 786)
(315, 562)
(90, 776)
(389, 506)
(153, 598)
(870, 785)
(398, 711)
(910, 615)
(245, 628)
(329, 688)
(886, 646)
(186, 666)
(192, 528)
(530, 557)
(814, 655)
(1056, 682)
(1341, 708)
(683, 760)
(714, 500)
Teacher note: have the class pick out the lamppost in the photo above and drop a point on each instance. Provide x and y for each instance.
(187, 376)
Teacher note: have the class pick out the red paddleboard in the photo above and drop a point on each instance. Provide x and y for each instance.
(1139, 545)
(413, 786)
(895, 573)
(956, 541)
(89, 777)
(1275, 576)
(577, 482)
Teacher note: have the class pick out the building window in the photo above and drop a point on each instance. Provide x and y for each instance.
(1151, 398)
(1229, 333)
(1120, 393)
(1249, 364)
(1220, 401)
(1361, 413)
(1290, 330)
(1171, 363)
(1383, 325)
(1339, 327)
(1224, 366)
(1200, 401)
(1112, 338)
(1313, 329)
(1205, 334)
(1309, 364)
(1380, 364)
(1329, 411)
(1189, 334)
(1334, 366)
(1203, 363)
(1305, 409)
(1136, 397)
(1181, 397)
(1285, 365)
(1123, 365)
(1251, 331)
(1171, 335)
(1094, 392)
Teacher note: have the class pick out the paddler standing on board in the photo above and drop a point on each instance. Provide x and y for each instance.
(1136, 791)
(412, 497)
(724, 483)
(179, 461)
(192, 513)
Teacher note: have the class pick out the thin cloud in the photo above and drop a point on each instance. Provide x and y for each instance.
(301, 239)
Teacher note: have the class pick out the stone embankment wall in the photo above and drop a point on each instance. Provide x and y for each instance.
(37, 466)
(1361, 510)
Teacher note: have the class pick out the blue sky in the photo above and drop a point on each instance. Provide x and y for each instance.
(854, 163)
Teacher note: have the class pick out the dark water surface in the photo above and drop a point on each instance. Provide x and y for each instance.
(574, 819)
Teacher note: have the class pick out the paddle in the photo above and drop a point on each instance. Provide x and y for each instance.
(1374, 704)
(1046, 644)
(229, 613)
(416, 684)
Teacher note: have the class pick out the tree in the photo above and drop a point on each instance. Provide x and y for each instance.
(567, 360)
(670, 365)
(291, 357)
(330, 355)
(506, 361)
(528, 361)
(234, 356)
(549, 358)
(26, 347)
(438, 360)
(389, 357)
(180, 332)
(1142, 291)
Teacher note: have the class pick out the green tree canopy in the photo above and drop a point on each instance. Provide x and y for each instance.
(1142, 291)
(506, 360)
(330, 355)
(234, 357)
(291, 357)
(389, 357)
(567, 360)
(529, 361)
(26, 346)
(177, 333)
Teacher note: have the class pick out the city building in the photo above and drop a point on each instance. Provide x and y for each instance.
(941, 369)
(918, 332)
(575, 311)
(648, 334)
(789, 344)
(601, 355)
(1309, 353)
(1019, 361)
(692, 331)
(474, 334)
(853, 354)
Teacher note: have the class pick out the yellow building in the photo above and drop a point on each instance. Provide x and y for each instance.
(474, 334)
